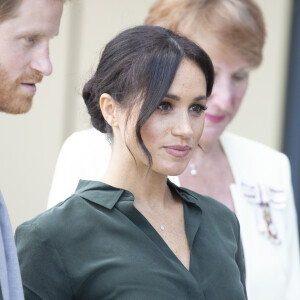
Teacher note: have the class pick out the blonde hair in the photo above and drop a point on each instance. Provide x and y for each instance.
(235, 24)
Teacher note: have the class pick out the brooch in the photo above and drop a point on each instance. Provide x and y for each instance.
(265, 198)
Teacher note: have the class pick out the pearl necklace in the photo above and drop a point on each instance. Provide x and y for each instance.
(162, 227)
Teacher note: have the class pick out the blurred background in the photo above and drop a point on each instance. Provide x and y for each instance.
(30, 143)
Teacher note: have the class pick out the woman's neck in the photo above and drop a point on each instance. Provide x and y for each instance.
(148, 187)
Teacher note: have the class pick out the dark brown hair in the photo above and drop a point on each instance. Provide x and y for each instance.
(138, 66)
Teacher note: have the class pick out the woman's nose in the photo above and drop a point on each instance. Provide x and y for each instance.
(222, 94)
(182, 125)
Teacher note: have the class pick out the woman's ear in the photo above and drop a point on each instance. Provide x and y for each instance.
(108, 107)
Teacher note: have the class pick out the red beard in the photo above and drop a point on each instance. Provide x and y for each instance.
(14, 98)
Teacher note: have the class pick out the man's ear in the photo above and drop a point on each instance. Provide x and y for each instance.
(108, 107)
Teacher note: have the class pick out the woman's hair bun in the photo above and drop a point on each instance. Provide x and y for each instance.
(87, 92)
(93, 107)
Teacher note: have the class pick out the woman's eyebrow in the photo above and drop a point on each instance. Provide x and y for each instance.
(200, 98)
(174, 97)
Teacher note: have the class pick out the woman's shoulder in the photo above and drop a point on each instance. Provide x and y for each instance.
(207, 204)
(256, 164)
(78, 214)
(252, 155)
(62, 218)
(215, 216)
(233, 142)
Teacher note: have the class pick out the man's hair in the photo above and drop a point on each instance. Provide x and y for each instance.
(9, 7)
(234, 24)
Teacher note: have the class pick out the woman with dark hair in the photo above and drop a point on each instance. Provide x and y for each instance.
(250, 178)
(135, 235)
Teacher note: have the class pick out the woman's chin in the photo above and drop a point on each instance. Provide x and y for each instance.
(174, 168)
(175, 171)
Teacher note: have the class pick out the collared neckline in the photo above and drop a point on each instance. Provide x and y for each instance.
(108, 196)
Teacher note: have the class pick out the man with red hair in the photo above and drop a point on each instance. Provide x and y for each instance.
(26, 28)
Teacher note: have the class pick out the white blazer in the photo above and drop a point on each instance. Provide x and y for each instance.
(263, 186)
(262, 195)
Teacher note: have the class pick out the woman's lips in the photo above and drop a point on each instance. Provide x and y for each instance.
(214, 119)
(178, 150)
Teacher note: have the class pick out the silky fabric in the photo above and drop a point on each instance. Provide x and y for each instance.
(97, 245)
(273, 269)
(262, 179)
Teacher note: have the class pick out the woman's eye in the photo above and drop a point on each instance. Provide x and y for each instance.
(197, 108)
(164, 106)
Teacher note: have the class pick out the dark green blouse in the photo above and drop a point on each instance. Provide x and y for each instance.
(96, 245)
